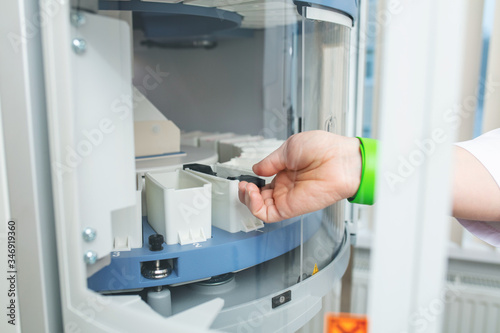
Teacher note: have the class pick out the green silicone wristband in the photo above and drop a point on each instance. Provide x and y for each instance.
(366, 190)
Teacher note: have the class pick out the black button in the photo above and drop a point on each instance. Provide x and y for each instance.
(282, 299)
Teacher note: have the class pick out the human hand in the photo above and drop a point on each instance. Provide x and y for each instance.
(313, 170)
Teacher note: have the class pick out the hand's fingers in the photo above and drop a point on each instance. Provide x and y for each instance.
(272, 164)
(253, 198)
(267, 192)
(241, 191)
(263, 210)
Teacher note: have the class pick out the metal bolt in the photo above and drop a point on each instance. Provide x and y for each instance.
(90, 257)
(156, 242)
(156, 129)
(78, 19)
(89, 234)
(79, 45)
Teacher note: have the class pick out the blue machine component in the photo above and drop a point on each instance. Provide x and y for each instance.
(166, 20)
(224, 252)
(348, 7)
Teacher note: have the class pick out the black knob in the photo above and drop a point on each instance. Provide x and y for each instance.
(156, 242)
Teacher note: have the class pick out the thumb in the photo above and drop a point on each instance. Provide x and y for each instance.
(272, 164)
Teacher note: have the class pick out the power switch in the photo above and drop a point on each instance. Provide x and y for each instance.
(282, 299)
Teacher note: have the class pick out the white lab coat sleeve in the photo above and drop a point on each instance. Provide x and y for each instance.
(486, 148)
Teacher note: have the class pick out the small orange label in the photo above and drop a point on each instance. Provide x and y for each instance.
(345, 323)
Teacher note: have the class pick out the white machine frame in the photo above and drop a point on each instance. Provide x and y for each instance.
(413, 216)
(419, 75)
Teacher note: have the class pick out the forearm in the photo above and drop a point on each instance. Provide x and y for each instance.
(476, 195)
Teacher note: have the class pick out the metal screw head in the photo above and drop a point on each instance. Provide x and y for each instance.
(89, 234)
(90, 257)
(78, 19)
(79, 45)
(156, 242)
